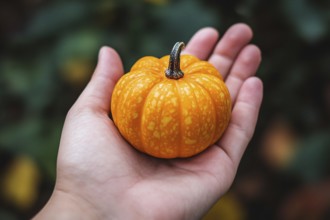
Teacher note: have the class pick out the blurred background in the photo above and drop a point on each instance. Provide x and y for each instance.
(48, 50)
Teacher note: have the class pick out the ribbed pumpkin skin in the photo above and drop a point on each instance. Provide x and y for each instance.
(170, 118)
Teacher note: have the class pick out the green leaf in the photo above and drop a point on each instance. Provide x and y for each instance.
(311, 161)
(5, 215)
(179, 20)
(79, 44)
(308, 21)
(52, 19)
(31, 79)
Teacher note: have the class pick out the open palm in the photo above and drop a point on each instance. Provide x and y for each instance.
(101, 173)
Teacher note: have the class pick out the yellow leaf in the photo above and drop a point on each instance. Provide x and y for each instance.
(20, 183)
(76, 71)
(228, 207)
(279, 144)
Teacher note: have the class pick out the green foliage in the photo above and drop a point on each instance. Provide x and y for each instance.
(312, 160)
(308, 20)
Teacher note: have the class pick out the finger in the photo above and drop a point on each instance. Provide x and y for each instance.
(229, 47)
(97, 94)
(202, 43)
(244, 67)
(243, 120)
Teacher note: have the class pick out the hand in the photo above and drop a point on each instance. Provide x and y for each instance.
(100, 176)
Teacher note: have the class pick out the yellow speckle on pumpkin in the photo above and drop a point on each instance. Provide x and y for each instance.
(166, 120)
(156, 134)
(188, 120)
(153, 103)
(189, 141)
(169, 150)
(151, 126)
(174, 101)
(172, 110)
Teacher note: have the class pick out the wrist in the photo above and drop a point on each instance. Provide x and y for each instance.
(64, 206)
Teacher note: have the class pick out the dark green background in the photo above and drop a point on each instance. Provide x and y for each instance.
(45, 44)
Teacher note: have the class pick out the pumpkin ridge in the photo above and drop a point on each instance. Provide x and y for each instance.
(224, 89)
(213, 106)
(161, 113)
(123, 114)
(180, 119)
(153, 72)
(165, 60)
(188, 56)
(147, 71)
(214, 79)
(196, 100)
(144, 64)
(143, 106)
(192, 70)
(121, 101)
(115, 98)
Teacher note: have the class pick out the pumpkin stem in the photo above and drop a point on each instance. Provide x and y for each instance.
(173, 71)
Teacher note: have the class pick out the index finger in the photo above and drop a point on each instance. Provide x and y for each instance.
(202, 43)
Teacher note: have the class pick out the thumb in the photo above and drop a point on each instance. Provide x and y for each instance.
(97, 94)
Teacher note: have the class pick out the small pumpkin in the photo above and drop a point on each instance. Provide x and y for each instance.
(175, 106)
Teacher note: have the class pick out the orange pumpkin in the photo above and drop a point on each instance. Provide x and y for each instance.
(167, 112)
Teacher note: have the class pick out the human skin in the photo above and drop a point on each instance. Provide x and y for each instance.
(100, 176)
